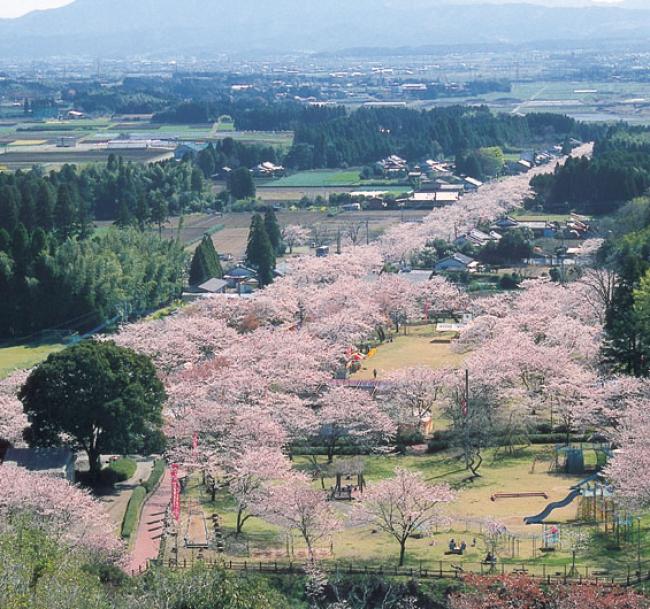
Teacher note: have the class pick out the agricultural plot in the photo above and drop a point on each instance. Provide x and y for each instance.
(233, 237)
(329, 178)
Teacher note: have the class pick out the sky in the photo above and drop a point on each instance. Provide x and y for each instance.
(16, 8)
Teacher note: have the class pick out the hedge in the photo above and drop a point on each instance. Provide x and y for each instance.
(155, 476)
(132, 514)
(123, 468)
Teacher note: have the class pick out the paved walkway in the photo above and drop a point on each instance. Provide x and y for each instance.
(116, 500)
(146, 545)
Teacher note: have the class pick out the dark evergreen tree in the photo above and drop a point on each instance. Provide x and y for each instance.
(205, 263)
(64, 215)
(259, 251)
(273, 230)
(241, 184)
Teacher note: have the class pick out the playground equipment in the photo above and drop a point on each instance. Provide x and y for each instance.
(347, 468)
(576, 491)
(518, 495)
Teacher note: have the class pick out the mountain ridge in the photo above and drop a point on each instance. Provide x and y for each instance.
(118, 28)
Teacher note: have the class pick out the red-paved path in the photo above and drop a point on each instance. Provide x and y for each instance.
(145, 546)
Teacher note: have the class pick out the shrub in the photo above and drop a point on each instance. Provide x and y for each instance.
(155, 476)
(122, 469)
(132, 514)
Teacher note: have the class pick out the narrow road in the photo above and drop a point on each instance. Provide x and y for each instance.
(146, 545)
(116, 500)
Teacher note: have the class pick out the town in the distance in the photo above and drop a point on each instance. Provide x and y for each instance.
(296, 315)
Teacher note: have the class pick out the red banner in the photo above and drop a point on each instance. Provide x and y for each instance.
(176, 494)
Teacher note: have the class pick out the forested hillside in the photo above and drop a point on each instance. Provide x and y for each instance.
(618, 172)
(54, 273)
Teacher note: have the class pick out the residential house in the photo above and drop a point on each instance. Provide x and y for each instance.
(472, 184)
(189, 149)
(505, 223)
(55, 462)
(213, 286)
(457, 263)
(242, 279)
(477, 238)
(268, 170)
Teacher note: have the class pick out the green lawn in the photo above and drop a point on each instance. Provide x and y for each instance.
(25, 356)
(362, 545)
(329, 178)
(422, 346)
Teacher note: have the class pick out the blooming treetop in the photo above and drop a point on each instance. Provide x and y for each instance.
(296, 506)
(411, 394)
(63, 510)
(12, 417)
(353, 416)
(404, 506)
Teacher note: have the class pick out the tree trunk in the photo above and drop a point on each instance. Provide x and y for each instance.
(402, 552)
(330, 454)
(240, 521)
(94, 463)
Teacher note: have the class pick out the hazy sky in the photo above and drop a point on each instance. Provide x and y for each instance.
(15, 8)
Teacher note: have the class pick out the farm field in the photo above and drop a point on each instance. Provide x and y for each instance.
(589, 101)
(325, 178)
(25, 356)
(232, 239)
(53, 158)
(230, 231)
(421, 346)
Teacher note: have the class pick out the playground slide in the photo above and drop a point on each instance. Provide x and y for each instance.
(576, 490)
(545, 513)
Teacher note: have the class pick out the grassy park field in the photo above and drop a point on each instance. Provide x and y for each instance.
(361, 545)
(25, 356)
(421, 346)
(524, 469)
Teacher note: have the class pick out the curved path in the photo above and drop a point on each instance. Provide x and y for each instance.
(146, 544)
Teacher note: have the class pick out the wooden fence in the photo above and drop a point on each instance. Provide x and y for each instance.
(551, 574)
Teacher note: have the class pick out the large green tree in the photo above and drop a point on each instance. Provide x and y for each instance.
(205, 262)
(259, 251)
(273, 230)
(240, 184)
(97, 397)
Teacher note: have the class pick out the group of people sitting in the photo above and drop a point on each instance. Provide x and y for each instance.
(454, 548)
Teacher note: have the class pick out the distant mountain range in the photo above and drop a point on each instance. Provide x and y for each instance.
(173, 28)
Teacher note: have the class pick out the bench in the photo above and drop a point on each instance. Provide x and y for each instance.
(517, 495)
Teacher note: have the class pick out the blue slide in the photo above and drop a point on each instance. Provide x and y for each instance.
(576, 491)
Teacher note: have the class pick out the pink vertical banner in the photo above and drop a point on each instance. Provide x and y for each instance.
(176, 494)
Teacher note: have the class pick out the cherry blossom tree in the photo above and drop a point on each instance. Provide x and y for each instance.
(508, 591)
(404, 506)
(351, 416)
(294, 235)
(61, 509)
(397, 299)
(413, 393)
(249, 475)
(13, 420)
(297, 507)
(628, 469)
